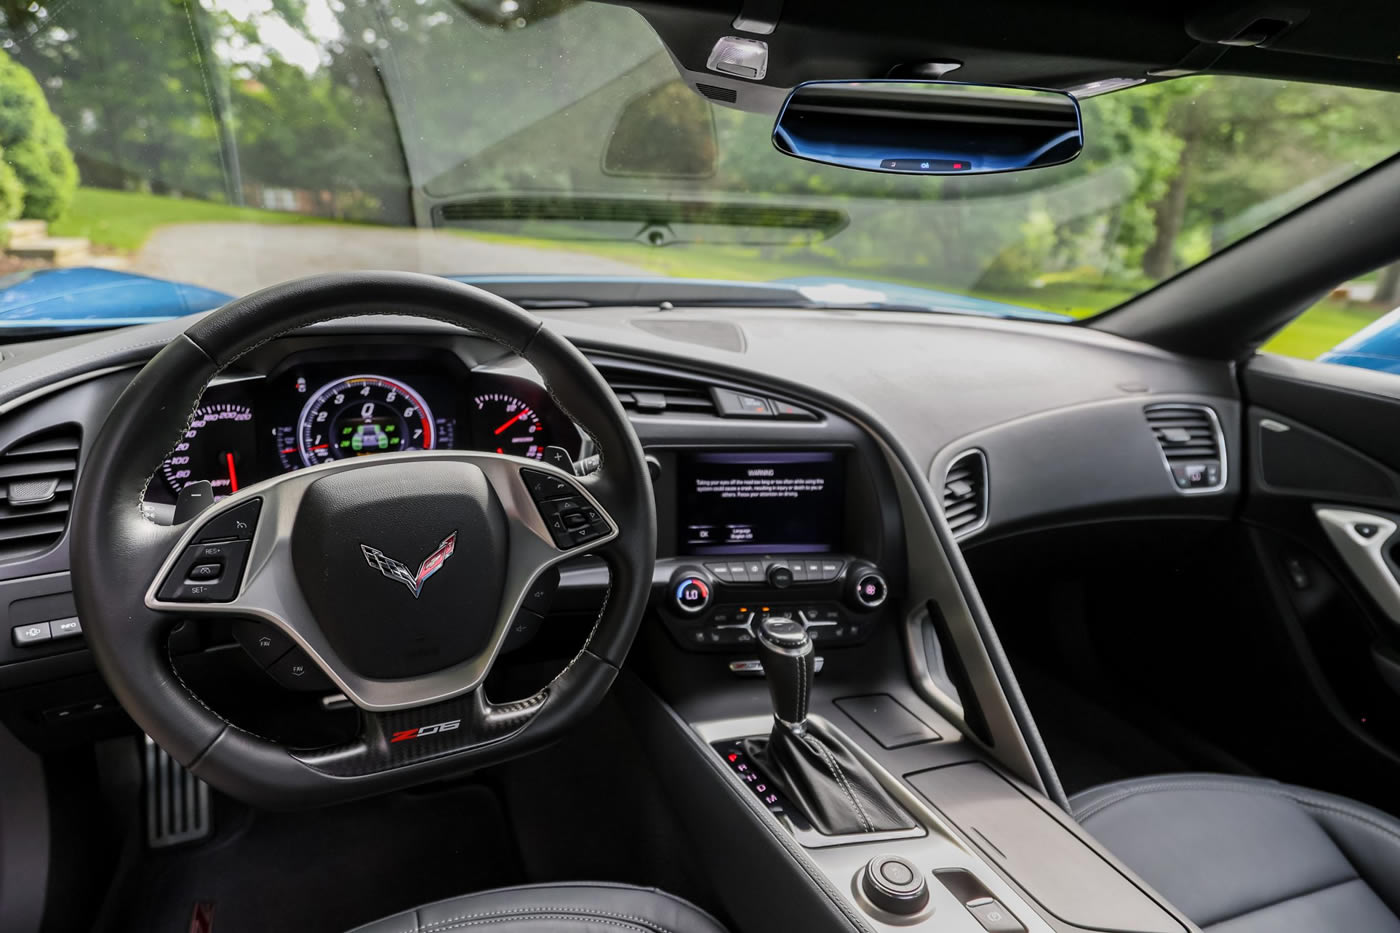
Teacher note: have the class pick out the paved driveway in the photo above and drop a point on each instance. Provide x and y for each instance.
(239, 258)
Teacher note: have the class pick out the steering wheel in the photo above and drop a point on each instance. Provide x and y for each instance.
(331, 556)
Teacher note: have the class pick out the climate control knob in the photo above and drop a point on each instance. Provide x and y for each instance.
(691, 592)
(866, 587)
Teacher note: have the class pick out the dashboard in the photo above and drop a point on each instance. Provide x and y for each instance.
(325, 404)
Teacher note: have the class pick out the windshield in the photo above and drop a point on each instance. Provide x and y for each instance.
(224, 146)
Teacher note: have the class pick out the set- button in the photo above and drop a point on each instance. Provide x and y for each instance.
(210, 569)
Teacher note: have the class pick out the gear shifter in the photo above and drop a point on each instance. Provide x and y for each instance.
(787, 664)
(833, 789)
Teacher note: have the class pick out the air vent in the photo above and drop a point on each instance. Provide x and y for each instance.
(965, 493)
(1193, 447)
(36, 490)
(648, 393)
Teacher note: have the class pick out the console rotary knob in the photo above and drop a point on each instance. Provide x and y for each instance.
(691, 592)
(779, 576)
(894, 885)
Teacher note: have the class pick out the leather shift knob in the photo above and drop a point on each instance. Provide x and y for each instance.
(787, 663)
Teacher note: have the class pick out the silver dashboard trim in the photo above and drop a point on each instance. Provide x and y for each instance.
(1365, 556)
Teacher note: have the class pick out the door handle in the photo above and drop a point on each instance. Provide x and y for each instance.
(1362, 539)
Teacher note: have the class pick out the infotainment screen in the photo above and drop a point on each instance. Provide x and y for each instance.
(753, 502)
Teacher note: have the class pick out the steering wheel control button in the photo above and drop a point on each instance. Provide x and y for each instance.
(993, 916)
(237, 524)
(185, 586)
(559, 457)
(264, 643)
(541, 593)
(32, 634)
(523, 628)
(572, 521)
(543, 486)
(296, 671)
(692, 595)
(895, 886)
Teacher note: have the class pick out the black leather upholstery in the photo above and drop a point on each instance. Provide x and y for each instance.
(827, 783)
(1244, 855)
(584, 907)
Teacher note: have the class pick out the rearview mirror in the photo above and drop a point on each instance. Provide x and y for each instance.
(928, 127)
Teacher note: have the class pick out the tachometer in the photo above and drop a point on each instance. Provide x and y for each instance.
(363, 415)
(509, 426)
(215, 447)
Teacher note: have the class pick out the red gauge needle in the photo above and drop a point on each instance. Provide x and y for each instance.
(232, 474)
(512, 421)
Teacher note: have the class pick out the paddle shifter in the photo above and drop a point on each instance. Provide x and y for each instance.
(833, 789)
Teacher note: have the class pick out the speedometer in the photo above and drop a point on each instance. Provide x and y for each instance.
(363, 415)
(213, 448)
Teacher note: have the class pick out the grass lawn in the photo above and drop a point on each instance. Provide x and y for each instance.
(123, 220)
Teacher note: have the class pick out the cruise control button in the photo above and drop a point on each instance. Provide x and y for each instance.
(180, 586)
(235, 524)
(210, 571)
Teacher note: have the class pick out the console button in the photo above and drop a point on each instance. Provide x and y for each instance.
(740, 572)
(66, 628)
(831, 569)
(721, 571)
(994, 917)
(754, 569)
(895, 885)
(31, 634)
(799, 572)
(235, 524)
(779, 576)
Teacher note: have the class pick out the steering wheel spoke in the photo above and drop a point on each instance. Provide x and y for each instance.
(250, 556)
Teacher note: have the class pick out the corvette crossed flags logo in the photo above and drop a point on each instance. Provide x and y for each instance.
(395, 570)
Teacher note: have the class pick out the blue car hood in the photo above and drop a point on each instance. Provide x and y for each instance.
(87, 296)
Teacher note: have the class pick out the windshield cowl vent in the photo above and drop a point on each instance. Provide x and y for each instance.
(37, 474)
(965, 493)
(1192, 445)
(645, 391)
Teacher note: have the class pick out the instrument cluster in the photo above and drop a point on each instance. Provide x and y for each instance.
(318, 407)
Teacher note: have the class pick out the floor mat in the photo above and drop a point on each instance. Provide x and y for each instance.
(326, 871)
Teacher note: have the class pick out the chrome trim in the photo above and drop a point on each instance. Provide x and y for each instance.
(1219, 443)
(1365, 556)
(984, 499)
(269, 590)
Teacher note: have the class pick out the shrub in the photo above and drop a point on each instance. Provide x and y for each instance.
(35, 146)
(11, 193)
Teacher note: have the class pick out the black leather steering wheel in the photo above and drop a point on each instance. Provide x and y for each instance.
(328, 555)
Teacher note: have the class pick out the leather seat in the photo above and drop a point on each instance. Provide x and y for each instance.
(1244, 855)
(584, 907)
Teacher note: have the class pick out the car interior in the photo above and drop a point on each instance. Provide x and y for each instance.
(387, 601)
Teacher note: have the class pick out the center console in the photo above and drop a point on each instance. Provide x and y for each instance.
(777, 532)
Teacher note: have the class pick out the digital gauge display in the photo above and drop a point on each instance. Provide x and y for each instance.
(359, 416)
(217, 445)
(509, 426)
